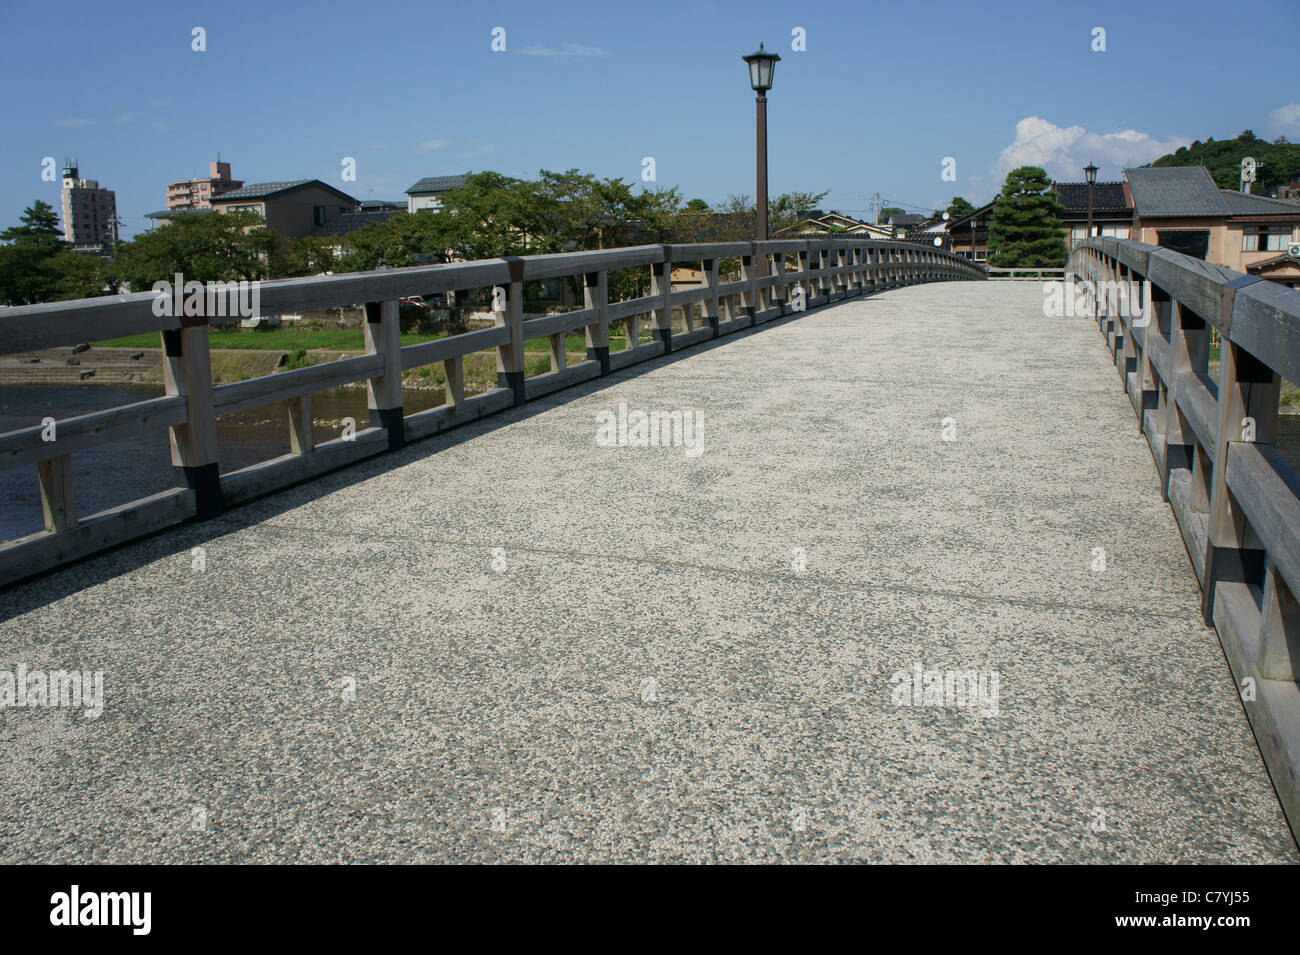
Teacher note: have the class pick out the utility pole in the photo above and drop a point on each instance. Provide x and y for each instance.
(875, 208)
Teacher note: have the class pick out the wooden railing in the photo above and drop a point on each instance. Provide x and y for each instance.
(776, 279)
(1024, 274)
(1235, 498)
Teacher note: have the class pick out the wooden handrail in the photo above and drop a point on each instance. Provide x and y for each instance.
(1235, 498)
(823, 270)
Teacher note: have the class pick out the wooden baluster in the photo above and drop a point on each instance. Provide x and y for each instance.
(510, 356)
(1248, 389)
(595, 294)
(661, 285)
(302, 438)
(58, 499)
(384, 393)
(187, 371)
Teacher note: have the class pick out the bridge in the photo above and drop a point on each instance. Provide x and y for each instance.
(893, 578)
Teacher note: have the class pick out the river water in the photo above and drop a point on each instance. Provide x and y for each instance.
(121, 471)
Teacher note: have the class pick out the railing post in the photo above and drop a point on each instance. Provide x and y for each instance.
(1248, 388)
(302, 439)
(384, 393)
(454, 371)
(595, 294)
(187, 372)
(510, 356)
(1189, 351)
(58, 499)
(779, 295)
(750, 275)
(661, 285)
(709, 275)
(805, 263)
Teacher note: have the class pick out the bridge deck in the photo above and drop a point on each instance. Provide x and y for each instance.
(521, 698)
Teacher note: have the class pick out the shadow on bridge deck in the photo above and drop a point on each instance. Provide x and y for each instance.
(675, 656)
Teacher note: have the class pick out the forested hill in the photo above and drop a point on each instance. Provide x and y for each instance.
(1223, 158)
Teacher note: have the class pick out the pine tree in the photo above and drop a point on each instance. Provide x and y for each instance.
(39, 226)
(1026, 231)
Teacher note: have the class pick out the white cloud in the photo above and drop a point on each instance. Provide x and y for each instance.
(1064, 150)
(75, 121)
(568, 49)
(479, 151)
(1286, 119)
(434, 144)
(124, 117)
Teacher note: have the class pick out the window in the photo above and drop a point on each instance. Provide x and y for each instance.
(1265, 238)
(318, 215)
(1193, 242)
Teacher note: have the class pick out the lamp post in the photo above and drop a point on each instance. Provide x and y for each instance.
(761, 67)
(1090, 172)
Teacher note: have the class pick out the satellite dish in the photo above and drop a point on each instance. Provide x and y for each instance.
(938, 241)
(945, 217)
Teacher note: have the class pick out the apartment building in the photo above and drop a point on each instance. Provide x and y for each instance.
(187, 195)
(89, 212)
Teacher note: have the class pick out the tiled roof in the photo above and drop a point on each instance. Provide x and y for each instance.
(172, 213)
(1106, 197)
(1175, 191)
(1241, 204)
(260, 190)
(434, 184)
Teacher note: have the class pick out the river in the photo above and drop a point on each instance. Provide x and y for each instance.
(120, 471)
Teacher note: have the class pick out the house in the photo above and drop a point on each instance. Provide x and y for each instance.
(427, 193)
(292, 208)
(1181, 208)
(1112, 210)
(834, 223)
(969, 234)
(1289, 190)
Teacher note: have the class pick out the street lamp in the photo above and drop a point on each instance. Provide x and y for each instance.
(761, 67)
(1090, 172)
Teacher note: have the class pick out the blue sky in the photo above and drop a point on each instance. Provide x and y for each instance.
(882, 94)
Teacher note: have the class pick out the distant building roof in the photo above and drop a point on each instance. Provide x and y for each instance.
(374, 205)
(1175, 191)
(173, 213)
(906, 219)
(1241, 204)
(351, 221)
(1191, 191)
(1106, 197)
(431, 185)
(264, 190)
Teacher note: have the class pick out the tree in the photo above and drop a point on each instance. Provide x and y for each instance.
(1025, 230)
(959, 207)
(309, 255)
(202, 247)
(39, 227)
(36, 267)
(697, 205)
(888, 211)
